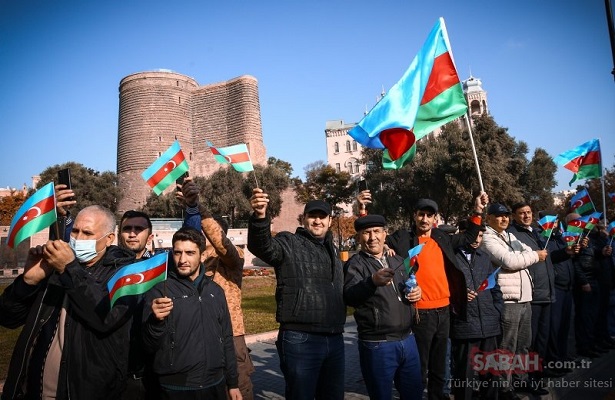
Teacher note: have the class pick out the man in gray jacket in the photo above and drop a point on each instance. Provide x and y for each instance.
(514, 257)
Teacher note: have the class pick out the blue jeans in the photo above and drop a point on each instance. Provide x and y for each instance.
(313, 364)
(383, 363)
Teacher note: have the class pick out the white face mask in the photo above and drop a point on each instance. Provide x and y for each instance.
(85, 249)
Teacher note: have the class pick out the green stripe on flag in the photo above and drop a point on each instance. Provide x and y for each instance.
(36, 225)
(387, 163)
(587, 172)
(135, 289)
(442, 109)
(171, 177)
(245, 166)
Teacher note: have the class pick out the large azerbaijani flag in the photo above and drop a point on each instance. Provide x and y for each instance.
(237, 155)
(426, 97)
(34, 215)
(583, 160)
(166, 169)
(137, 278)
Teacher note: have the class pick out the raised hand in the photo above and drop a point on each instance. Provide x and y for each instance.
(259, 202)
(161, 307)
(64, 199)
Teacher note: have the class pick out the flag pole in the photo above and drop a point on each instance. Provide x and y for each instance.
(603, 198)
(480, 178)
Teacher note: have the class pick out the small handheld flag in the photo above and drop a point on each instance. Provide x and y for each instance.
(237, 155)
(490, 281)
(166, 169)
(137, 278)
(611, 229)
(612, 197)
(581, 203)
(570, 238)
(413, 253)
(583, 160)
(547, 223)
(593, 219)
(35, 214)
(578, 225)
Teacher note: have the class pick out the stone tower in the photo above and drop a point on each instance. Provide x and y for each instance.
(476, 96)
(157, 108)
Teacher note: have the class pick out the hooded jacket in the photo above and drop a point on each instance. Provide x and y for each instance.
(94, 359)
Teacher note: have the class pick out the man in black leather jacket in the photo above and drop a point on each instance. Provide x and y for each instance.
(310, 304)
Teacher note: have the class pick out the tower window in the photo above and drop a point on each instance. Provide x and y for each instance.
(347, 145)
(337, 167)
(354, 145)
(336, 147)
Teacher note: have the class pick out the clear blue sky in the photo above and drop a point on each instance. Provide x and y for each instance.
(544, 64)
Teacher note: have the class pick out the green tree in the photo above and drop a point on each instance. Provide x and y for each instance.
(90, 186)
(445, 171)
(325, 183)
(539, 181)
(285, 166)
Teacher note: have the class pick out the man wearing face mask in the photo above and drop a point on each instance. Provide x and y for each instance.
(73, 345)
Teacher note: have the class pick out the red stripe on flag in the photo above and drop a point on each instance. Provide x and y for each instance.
(46, 205)
(238, 158)
(134, 279)
(593, 157)
(166, 169)
(443, 76)
(397, 141)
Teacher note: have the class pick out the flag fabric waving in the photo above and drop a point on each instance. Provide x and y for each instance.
(547, 223)
(237, 155)
(427, 96)
(413, 253)
(34, 215)
(593, 219)
(583, 160)
(166, 169)
(581, 203)
(578, 225)
(490, 281)
(137, 278)
(571, 238)
(611, 229)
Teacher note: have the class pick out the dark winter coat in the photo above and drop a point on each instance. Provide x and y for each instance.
(193, 346)
(381, 312)
(542, 274)
(309, 291)
(96, 342)
(484, 311)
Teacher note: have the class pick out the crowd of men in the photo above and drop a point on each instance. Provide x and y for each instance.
(494, 289)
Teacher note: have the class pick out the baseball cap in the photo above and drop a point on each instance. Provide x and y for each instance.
(497, 209)
(423, 204)
(317, 205)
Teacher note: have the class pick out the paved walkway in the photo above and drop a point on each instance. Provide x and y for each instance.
(596, 381)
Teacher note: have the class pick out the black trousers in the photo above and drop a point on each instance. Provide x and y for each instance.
(431, 334)
(463, 368)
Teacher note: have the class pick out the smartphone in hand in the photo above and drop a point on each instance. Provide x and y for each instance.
(362, 185)
(64, 179)
(180, 180)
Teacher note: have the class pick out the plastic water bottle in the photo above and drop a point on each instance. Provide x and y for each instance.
(411, 283)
